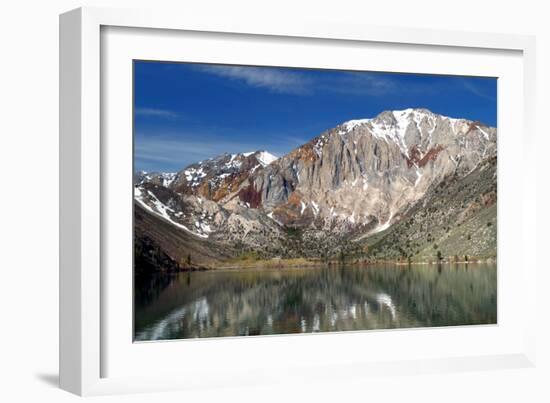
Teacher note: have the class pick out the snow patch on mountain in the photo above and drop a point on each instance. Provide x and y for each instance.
(319, 144)
(384, 226)
(303, 207)
(418, 177)
(163, 178)
(485, 134)
(315, 207)
(162, 210)
(194, 175)
(265, 158)
(167, 178)
(393, 125)
(352, 124)
(234, 162)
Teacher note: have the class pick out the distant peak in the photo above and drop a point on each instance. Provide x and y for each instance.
(389, 117)
(352, 124)
(409, 111)
(262, 156)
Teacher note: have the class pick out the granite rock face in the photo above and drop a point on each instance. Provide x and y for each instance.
(351, 182)
(366, 172)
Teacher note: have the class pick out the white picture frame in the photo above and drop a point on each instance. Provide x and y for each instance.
(88, 315)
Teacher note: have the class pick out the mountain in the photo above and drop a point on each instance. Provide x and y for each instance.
(217, 177)
(350, 189)
(365, 172)
(457, 217)
(159, 178)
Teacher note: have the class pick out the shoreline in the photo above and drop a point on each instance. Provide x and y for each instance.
(282, 264)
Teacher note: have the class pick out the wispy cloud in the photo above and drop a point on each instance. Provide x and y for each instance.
(273, 79)
(168, 150)
(287, 81)
(158, 113)
(174, 152)
(359, 83)
(474, 89)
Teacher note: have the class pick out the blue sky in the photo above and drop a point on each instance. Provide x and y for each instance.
(184, 113)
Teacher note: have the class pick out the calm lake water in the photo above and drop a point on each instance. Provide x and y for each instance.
(304, 300)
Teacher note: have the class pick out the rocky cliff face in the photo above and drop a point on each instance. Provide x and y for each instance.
(219, 177)
(366, 172)
(351, 182)
(456, 219)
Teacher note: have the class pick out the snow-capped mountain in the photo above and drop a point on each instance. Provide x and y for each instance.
(354, 180)
(216, 177)
(265, 158)
(191, 199)
(367, 171)
(161, 178)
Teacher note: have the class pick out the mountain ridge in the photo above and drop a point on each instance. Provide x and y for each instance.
(360, 177)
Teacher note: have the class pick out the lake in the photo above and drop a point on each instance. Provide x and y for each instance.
(303, 300)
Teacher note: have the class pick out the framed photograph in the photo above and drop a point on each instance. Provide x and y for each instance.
(321, 223)
(241, 202)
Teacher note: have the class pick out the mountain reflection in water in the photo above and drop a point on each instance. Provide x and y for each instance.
(302, 300)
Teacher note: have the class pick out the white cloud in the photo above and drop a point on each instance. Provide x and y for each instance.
(174, 151)
(474, 89)
(288, 81)
(154, 112)
(158, 149)
(188, 149)
(363, 83)
(273, 79)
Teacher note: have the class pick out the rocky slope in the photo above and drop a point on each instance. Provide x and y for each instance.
(344, 192)
(456, 221)
(218, 177)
